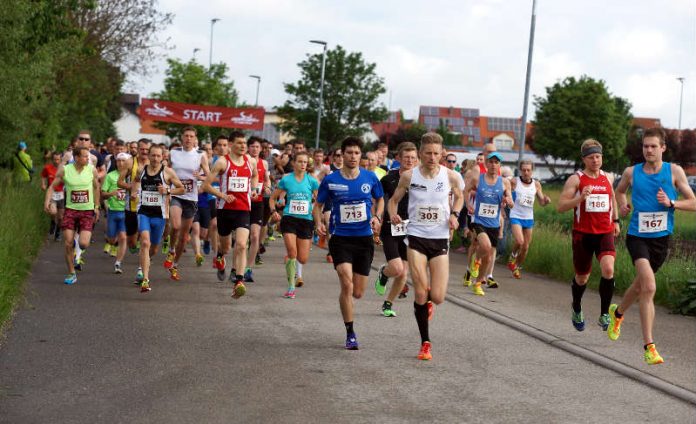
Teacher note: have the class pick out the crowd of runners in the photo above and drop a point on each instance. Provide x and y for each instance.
(228, 197)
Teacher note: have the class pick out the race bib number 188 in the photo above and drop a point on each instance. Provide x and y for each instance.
(151, 198)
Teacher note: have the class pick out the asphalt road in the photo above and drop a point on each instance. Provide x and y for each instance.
(100, 351)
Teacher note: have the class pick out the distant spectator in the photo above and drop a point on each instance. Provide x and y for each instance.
(22, 164)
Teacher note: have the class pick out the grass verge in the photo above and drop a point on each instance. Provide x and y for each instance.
(23, 222)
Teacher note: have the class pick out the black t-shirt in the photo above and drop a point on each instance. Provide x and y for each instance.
(389, 184)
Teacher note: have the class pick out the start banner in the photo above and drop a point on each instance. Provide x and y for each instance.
(212, 116)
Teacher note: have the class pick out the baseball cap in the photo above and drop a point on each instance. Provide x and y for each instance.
(123, 156)
(22, 145)
(495, 155)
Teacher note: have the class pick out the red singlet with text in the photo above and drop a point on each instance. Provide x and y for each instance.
(594, 215)
(236, 181)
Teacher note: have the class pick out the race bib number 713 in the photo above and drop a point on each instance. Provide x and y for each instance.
(353, 213)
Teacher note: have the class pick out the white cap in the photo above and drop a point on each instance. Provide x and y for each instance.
(275, 152)
(123, 156)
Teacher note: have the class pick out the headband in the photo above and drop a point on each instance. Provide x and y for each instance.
(592, 149)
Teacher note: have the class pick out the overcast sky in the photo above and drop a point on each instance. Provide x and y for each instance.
(464, 53)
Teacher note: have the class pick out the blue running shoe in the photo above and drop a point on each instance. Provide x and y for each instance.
(139, 276)
(70, 279)
(248, 277)
(351, 342)
(206, 247)
(578, 321)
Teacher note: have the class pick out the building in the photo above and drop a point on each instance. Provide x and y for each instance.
(129, 127)
(270, 130)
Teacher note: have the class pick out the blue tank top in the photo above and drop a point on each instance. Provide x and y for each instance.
(488, 201)
(650, 219)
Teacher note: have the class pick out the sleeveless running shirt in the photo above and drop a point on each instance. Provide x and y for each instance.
(489, 197)
(79, 188)
(428, 205)
(132, 205)
(236, 181)
(185, 164)
(525, 194)
(650, 219)
(150, 202)
(261, 170)
(594, 215)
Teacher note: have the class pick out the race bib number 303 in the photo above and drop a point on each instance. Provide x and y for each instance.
(429, 214)
(652, 222)
(353, 213)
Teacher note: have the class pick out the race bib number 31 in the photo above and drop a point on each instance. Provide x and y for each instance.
(299, 207)
(353, 213)
(399, 229)
(652, 222)
(597, 203)
(79, 196)
(238, 184)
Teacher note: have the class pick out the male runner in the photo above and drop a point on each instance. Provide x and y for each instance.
(299, 188)
(81, 187)
(654, 194)
(526, 190)
(351, 192)
(595, 224)
(150, 188)
(116, 216)
(238, 179)
(257, 205)
(491, 193)
(57, 206)
(187, 162)
(431, 222)
(394, 236)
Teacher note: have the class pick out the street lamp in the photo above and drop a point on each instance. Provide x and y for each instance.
(258, 82)
(681, 97)
(526, 83)
(321, 89)
(210, 59)
(195, 50)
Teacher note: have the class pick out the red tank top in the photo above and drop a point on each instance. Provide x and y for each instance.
(261, 171)
(594, 215)
(236, 181)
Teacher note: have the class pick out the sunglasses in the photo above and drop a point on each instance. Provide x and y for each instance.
(451, 161)
(83, 138)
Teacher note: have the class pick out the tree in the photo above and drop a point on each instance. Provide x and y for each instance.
(351, 93)
(448, 138)
(576, 109)
(191, 82)
(406, 132)
(687, 149)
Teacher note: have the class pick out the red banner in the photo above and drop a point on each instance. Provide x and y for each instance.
(210, 116)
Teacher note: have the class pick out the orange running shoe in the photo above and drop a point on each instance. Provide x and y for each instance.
(425, 354)
(174, 274)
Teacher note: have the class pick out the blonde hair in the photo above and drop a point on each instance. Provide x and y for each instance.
(405, 146)
(590, 142)
(431, 138)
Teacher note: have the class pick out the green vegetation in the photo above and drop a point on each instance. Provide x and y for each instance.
(22, 206)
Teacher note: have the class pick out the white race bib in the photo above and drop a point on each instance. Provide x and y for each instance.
(652, 222)
(488, 210)
(353, 213)
(429, 214)
(199, 183)
(299, 207)
(527, 200)
(57, 196)
(597, 203)
(400, 229)
(151, 198)
(238, 184)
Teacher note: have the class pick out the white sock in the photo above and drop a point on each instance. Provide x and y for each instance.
(78, 251)
(299, 269)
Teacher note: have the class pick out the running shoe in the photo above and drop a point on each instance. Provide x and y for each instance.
(174, 273)
(133, 250)
(239, 290)
(492, 284)
(466, 280)
(511, 263)
(315, 239)
(431, 310)
(477, 290)
(206, 247)
(262, 249)
(381, 288)
(107, 248)
(475, 268)
(118, 269)
(169, 261)
(387, 310)
(114, 251)
(77, 264)
(329, 259)
(58, 236)
(425, 354)
(299, 282)
(248, 276)
(578, 319)
(651, 356)
(219, 264)
(70, 279)
(517, 273)
(165, 246)
(404, 292)
(139, 276)
(290, 294)
(258, 261)
(199, 260)
(614, 329)
(145, 286)
(270, 238)
(351, 342)
(604, 321)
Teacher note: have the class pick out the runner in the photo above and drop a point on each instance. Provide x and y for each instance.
(394, 236)
(655, 185)
(81, 187)
(491, 193)
(238, 179)
(525, 190)
(150, 188)
(220, 148)
(116, 216)
(187, 162)
(256, 215)
(595, 224)
(57, 206)
(299, 188)
(336, 164)
(351, 192)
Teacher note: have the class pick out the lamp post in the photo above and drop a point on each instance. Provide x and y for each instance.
(321, 89)
(195, 50)
(681, 97)
(258, 82)
(210, 58)
(526, 84)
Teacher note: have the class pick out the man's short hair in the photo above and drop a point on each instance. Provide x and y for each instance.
(405, 146)
(431, 138)
(236, 134)
(189, 128)
(145, 141)
(451, 154)
(351, 141)
(88, 132)
(655, 132)
(157, 146)
(527, 162)
(119, 142)
(253, 140)
(78, 150)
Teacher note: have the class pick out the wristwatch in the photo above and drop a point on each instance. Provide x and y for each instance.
(455, 213)
(671, 203)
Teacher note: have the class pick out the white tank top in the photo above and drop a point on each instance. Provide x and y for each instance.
(525, 195)
(185, 164)
(428, 205)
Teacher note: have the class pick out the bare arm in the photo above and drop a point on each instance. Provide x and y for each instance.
(123, 174)
(568, 199)
(96, 188)
(507, 194)
(52, 187)
(399, 193)
(620, 193)
(207, 186)
(470, 185)
(171, 178)
(688, 203)
(457, 199)
(543, 199)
